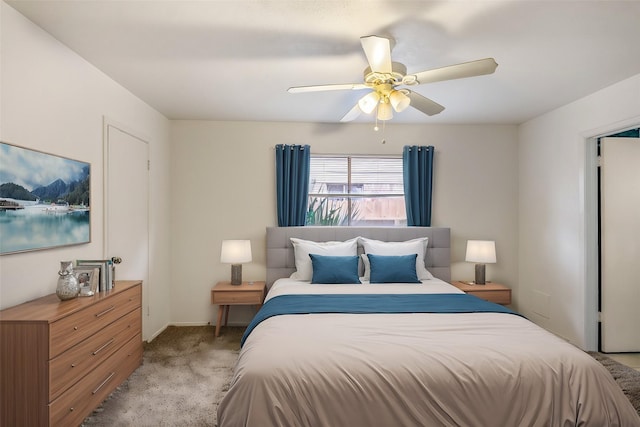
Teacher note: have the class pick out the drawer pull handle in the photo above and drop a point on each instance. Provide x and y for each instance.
(103, 347)
(73, 365)
(106, 311)
(103, 383)
(75, 328)
(71, 409)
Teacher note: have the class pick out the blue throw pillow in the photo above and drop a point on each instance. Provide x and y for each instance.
(334, 269)
(393, 268)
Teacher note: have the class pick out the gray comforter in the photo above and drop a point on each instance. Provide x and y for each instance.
(480, 369)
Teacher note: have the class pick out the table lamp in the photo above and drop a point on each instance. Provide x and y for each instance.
(481, 252)
(236, 252)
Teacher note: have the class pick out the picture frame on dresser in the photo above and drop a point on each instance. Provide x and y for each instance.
(88, 278)
(44, 200)
(105, 280)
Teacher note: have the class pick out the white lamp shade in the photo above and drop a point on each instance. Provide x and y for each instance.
(481, 251)
(385, 112)
(399, 100)
(235, 251)
(369, 102)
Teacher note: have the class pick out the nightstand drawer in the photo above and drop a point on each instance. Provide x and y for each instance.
(237, 297)
(491, 291)
(499, 297)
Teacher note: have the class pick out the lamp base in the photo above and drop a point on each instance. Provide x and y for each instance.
(480, 274)
(236, 274)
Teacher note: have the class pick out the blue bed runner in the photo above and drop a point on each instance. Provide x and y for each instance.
(373, 303)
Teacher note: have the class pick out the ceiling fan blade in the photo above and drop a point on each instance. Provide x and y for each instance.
(427, 106)
(320, 88)
(451, 72)
(378, 52)
(352, 114)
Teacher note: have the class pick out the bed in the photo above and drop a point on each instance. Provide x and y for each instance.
(402, 354)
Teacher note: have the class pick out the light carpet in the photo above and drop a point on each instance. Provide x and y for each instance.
(184, 375)
(186, 372)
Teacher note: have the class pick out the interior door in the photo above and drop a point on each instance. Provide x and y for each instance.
(127, 207)
(620, 244)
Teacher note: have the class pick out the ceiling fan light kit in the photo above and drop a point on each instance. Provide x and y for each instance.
(369, 102)
(399, 101)
(382, 77)
(385, 112)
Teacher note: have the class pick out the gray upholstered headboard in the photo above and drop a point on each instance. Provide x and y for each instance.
(281, 260)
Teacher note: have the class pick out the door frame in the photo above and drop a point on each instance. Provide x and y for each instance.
(591, 227)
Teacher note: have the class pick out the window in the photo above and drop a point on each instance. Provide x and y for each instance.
(356, 190)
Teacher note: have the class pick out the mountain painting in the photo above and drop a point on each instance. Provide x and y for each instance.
(44, 200)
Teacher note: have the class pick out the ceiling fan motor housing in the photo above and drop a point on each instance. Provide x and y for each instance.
(373, 78)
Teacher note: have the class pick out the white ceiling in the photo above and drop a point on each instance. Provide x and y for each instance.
(234, 60)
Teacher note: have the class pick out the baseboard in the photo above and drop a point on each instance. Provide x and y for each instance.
(188, 324)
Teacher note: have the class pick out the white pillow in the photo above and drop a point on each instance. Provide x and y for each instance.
(415, 246)
(302, 249)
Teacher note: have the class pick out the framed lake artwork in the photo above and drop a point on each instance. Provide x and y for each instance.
(44, 200)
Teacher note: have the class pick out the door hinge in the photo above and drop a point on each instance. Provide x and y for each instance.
(148, 165)
(599, 316)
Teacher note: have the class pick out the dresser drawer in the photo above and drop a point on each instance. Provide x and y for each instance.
(80, 325)
(79, 360)
(77, 402)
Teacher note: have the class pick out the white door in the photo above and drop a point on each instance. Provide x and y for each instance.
(620, 244)
(127, 207)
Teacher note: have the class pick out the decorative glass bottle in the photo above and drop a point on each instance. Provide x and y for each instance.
(68, 286)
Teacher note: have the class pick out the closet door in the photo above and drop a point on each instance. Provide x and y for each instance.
(127, 208)
(620, 244)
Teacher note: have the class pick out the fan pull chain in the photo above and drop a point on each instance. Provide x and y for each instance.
(376, 128)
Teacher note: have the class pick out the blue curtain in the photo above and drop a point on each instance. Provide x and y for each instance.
(292, 183)
(417, 164)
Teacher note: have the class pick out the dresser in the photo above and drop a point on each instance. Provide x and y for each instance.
(60, 359)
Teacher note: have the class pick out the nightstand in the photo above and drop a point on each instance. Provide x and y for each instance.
(224, 294)
(494, 292)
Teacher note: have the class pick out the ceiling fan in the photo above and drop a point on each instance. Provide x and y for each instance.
(383, 77)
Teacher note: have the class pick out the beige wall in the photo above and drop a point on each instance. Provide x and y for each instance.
(556, 290)
(54, 101)
(223, 187)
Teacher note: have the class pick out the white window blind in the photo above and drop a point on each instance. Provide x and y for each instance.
(356, 190)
